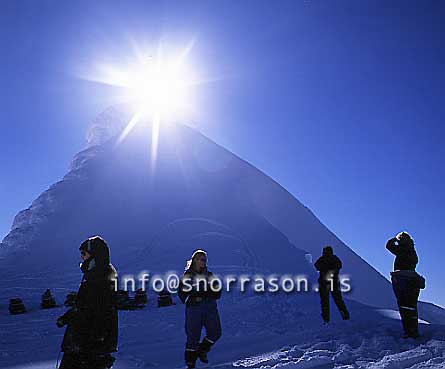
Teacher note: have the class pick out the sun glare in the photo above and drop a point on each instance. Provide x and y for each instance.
(156, 87)
(153, 85)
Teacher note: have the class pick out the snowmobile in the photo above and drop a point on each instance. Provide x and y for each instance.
(48, 300)
(16, 306)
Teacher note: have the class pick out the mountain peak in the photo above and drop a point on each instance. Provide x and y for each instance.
(154, 211)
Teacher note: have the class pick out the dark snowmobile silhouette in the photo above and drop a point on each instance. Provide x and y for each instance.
(92, 324)
(70, 299)
(140, 298)
(329, 266)
(126, 302)
(48, 300)
(406, 282)
(201, 308)
(165, 299)
(16, 306)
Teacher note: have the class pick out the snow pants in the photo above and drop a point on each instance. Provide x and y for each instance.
(326, 288)
(198, 315)
(407, 293)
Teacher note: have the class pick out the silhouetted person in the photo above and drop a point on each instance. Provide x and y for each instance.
(406, 282)
(91, 334)
(329, 266)
(201, 309)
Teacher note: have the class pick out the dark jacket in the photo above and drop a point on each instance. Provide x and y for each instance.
(406, 256)
(200, 290)
(93, 322)
(328, 264)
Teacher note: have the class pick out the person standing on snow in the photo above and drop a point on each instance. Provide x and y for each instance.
(92, 324)
(406, 283)
(199, 295)
(329, 266)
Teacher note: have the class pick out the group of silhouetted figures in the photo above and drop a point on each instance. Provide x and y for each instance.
(92, 324)
(406, 282)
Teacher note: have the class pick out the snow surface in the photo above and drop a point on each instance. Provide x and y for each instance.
(199, 195)
(259, 331)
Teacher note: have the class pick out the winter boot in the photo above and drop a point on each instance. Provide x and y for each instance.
(190, 358)
(413, 328)
(345, 314)
(325, 317)
(203, 348)
(325, 313)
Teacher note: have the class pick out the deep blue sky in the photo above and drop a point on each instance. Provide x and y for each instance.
(341, 102)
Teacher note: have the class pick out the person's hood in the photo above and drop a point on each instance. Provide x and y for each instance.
(328, 250)
(100, 254)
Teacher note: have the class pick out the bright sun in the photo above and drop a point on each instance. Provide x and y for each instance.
(156, 87)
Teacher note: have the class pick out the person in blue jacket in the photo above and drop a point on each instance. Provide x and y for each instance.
(199, 294)
(406, 282)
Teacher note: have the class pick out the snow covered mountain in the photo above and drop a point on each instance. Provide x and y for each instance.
(198, 195)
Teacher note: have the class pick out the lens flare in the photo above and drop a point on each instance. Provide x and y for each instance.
(155, 87)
